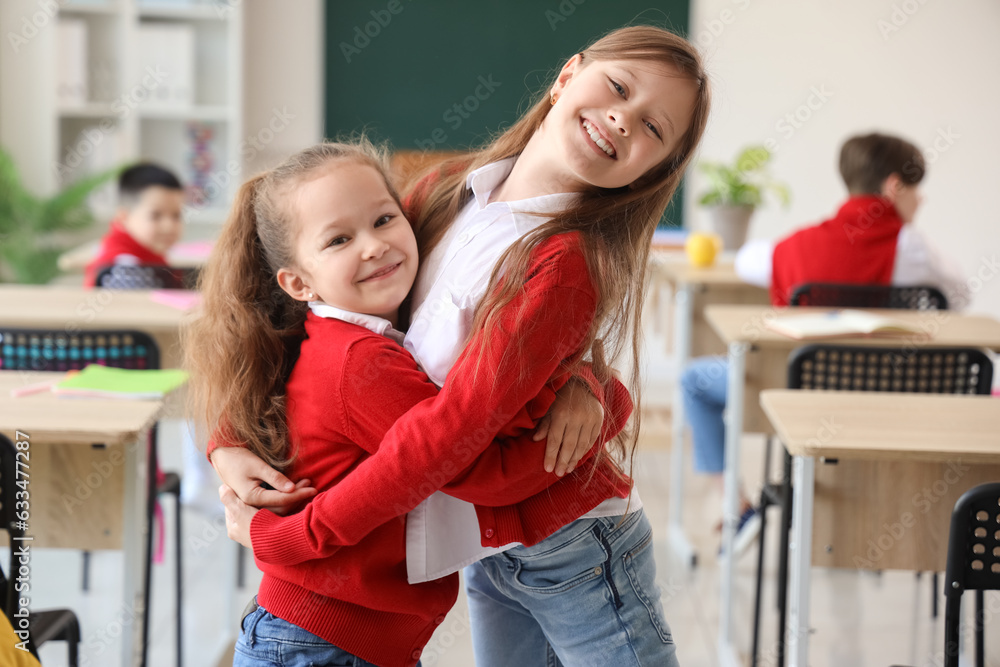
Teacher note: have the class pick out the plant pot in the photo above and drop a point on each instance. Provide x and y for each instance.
(731, 223)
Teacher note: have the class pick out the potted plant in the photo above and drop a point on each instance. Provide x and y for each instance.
(736, 190)
(32, 228)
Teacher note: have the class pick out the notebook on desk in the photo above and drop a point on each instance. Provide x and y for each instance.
(96, 381)
(842, 324)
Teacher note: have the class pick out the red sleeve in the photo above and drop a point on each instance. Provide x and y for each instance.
(553, 313)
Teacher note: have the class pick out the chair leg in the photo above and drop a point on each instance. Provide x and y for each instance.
(764, 502)
(85, 586)
(786, 524)
(755, 652)
(148, 572)
(934, 594)
(980, 638)
(179, 578)
(73, 643)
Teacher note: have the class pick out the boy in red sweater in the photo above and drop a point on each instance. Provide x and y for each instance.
(870, 240)
(147, 223)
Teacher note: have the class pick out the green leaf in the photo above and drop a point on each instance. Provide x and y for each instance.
(743, 183)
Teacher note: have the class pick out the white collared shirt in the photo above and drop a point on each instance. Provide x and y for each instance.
(373, 323)
(442, 533)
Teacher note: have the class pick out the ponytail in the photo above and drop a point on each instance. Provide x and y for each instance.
(241, 350)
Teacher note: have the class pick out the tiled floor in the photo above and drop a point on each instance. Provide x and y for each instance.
(861, 620)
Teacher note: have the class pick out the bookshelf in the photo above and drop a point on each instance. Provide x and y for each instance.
(86, 85)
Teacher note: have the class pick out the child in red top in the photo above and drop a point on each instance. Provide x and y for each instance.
(326, 227)
(572, 194)
(147, 224)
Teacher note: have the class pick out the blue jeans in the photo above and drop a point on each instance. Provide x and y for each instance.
(704, 384)
(268, 641)
(584, 597)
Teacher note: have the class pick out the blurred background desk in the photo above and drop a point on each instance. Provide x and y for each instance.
(88, 479)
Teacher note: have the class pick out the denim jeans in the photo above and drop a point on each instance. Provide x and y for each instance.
(268, 641)
(704, 384)
(584, 597)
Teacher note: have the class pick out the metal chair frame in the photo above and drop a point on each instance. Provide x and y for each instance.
(845, 295)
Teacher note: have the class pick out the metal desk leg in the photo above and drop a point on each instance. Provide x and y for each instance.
(731, 480)
(800, 553)
(134, 539)
(683, 315)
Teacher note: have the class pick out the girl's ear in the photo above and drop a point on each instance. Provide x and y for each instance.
(566, 73)
(294, 285)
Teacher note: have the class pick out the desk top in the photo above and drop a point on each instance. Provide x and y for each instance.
(48, 418)
(748, 324)
(75, 308)
(184, 255)
(676, 268)
(886, 426)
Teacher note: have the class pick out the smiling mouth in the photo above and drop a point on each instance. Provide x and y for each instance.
(598, 140)
(382, 272)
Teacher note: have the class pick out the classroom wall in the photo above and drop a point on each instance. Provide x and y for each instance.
(283, 89)
(926, 69)
(929, 71)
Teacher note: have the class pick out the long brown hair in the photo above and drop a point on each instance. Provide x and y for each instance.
(617, 225)
(241, 349)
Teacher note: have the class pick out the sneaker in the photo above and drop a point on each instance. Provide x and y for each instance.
(747, 530)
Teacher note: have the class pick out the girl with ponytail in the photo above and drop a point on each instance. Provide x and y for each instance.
(535, 251)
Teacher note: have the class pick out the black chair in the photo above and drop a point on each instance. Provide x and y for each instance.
(973, 563)
(46, 625)
(842, 295)
(846, 368)
(128, 276)
(55, 350)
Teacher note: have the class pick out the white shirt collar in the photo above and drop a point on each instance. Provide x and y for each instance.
(486, 179)
(373, 323)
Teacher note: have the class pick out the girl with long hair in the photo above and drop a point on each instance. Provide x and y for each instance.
(535, 252)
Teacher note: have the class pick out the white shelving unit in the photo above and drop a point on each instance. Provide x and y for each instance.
(132, 110)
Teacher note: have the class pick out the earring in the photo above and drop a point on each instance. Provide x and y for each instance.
(310, 295)
(552, 99)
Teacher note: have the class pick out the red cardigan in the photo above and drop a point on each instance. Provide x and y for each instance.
(858, 245)
(119, 242)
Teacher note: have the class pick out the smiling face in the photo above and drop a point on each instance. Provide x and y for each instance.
(353, 247)
(615, 120)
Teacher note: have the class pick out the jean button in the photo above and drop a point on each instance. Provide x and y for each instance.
(597, 570)
(489, 533)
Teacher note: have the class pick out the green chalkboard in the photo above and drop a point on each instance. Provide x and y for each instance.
(448, 74)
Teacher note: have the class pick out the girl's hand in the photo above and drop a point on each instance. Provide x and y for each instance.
(245, 474)
(238, 516)
(572, 425)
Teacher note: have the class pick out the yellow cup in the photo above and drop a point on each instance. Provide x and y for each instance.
(702, 248)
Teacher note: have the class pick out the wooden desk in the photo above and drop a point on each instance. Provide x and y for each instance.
(76, 309)
(932, 447)
(693, 290)
(758, 360)
(88, 478)
(184, 255)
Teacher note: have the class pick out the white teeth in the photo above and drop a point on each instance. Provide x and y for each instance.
(597, 139)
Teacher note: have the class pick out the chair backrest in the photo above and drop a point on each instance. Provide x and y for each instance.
(127, 276)
(840, 295)
(922, 370)
(57, 350)
(974, 541)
